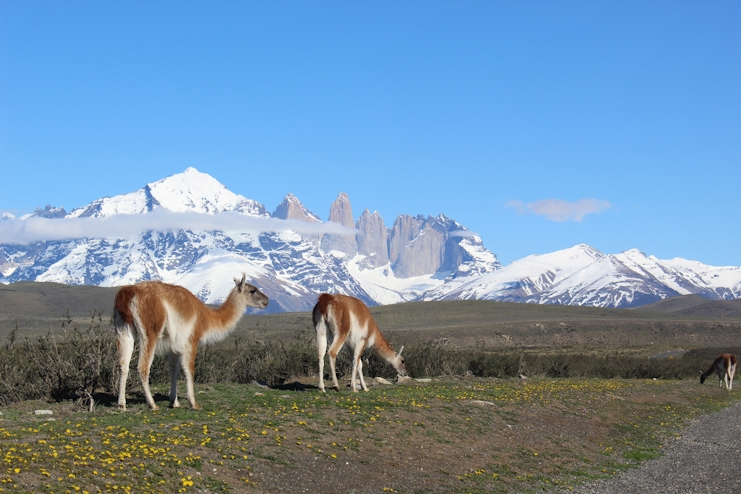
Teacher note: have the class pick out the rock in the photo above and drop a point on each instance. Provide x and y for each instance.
(403, 380)
(43, 412)
(372, 240)
(381, 380)
(340, 212)
(423, 380)
(292, 209)
(257, 393)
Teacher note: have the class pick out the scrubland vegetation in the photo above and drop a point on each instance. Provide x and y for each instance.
(78, 361)
(475, 417)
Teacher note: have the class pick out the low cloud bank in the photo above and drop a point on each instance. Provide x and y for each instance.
(35, 229)
(560, 210)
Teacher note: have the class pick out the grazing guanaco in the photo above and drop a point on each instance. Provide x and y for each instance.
(725, 366)
(350, 321)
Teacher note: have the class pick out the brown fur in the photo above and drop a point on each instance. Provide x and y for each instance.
(725, 366)
(170, 319)
(350, 321)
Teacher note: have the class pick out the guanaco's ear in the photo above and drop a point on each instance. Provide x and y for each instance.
(402, 349)
(240, 283)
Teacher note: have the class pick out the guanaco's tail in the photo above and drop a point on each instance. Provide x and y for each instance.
(122, 305)
(321, 308)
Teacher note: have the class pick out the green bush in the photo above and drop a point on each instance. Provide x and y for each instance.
(79, 361)
(58, 367)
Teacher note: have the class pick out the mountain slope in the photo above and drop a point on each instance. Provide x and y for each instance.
(417, 258)
(581, 275)
(291, 268)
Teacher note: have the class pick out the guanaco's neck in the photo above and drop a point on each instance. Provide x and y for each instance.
(228, 315)
(383, 348)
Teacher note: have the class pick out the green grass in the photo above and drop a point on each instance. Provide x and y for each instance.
(244, 430)
(485, 433)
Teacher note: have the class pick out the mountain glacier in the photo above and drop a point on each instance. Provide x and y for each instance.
(417, 258)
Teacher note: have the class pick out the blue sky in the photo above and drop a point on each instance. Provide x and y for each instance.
(539, 125)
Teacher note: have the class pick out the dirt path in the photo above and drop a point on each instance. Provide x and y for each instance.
(705, 459)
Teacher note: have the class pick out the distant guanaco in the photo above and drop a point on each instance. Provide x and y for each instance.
(725, 366)
(350, 321)
(169, 319)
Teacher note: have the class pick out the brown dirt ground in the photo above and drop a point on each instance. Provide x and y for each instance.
(454, 447)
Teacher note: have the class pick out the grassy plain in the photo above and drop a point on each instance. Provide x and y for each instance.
(446, 435)
(457, 429)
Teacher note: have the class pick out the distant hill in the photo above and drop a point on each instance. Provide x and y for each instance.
(674, 304)
(33, 300)
(684, 322)
(695, 305)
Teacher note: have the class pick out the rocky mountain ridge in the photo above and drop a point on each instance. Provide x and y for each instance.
(291, 268)
(417, 258)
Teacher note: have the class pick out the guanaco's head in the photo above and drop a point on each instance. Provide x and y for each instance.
(702, 378)
(399, 363)
(250, 294)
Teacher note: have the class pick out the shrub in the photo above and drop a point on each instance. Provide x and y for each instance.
(58, 367)
(84, 360)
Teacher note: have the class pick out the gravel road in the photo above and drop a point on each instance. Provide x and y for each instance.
(705, 459)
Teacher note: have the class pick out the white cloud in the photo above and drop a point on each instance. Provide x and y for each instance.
(462, 233)
(35, 229)
(560, 210)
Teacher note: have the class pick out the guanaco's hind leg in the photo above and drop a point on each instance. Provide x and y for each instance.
(333, 351)
(360, 373)
(189, 369)
(321, 346)
(357, 365)
(124, 349)
(732, 373)
(173, 362)
(146, 356)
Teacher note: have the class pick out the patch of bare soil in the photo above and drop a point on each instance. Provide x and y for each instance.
(456, 445)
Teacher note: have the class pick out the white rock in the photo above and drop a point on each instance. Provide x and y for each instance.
(43, 412)
(381, 380)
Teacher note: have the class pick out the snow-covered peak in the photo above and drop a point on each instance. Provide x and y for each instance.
(634, 253)
(193, 191)
(522, 278)
(576, 257)
(189, 191)
(50, 212)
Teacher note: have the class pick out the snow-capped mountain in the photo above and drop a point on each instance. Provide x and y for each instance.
(417, 258)
(291, 268)
(582, 275)
(190, 191)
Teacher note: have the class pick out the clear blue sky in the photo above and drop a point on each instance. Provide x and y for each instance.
(483, 111)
